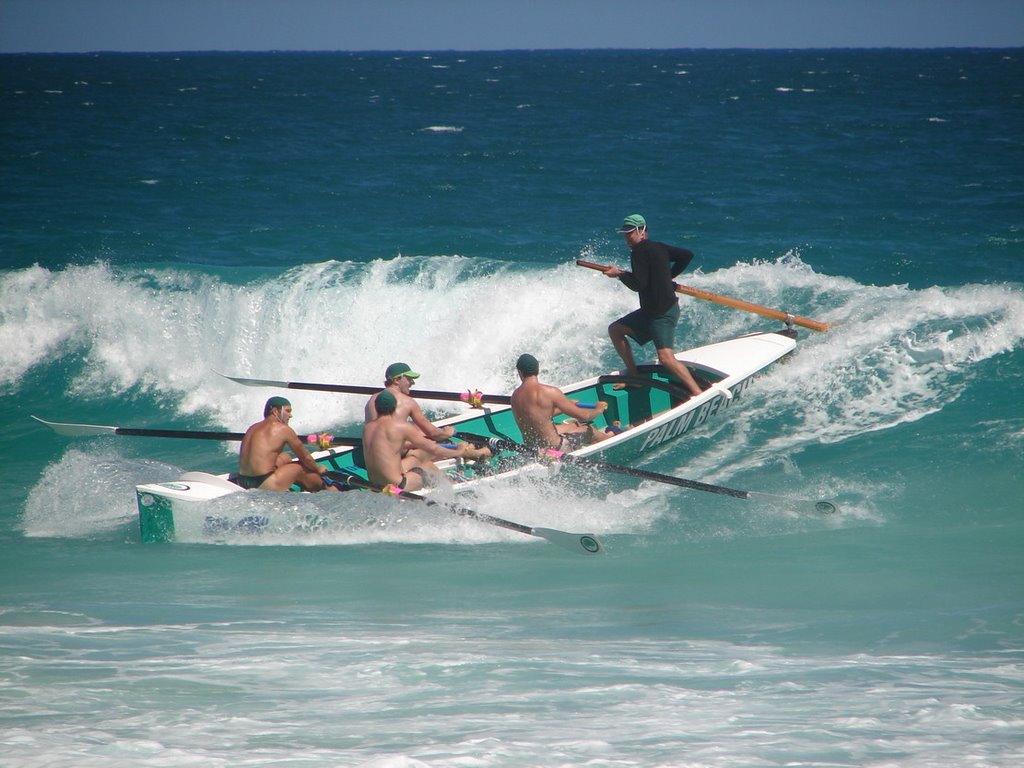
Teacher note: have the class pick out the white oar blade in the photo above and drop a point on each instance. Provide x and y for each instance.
(580, 543)
(77, 430)
(254, 382)
(822, 506)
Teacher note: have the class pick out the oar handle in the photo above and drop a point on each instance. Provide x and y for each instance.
(728, 301)
(226, 436)
(97, 430)
(503, 444)
(500, 443)
(757, 309)
(184, 433)
(474, 398)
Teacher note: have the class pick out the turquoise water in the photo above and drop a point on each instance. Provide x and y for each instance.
(315, 217)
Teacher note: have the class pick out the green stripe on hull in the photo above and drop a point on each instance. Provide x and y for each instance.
(156, 518)
(629, 407)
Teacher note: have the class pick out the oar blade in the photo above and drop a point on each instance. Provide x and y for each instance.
(77, 430)
(254, 382)
(821, 506)
(580, 543)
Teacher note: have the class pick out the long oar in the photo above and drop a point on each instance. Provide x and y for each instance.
(580, 543)
(497, 443)
(90, 430)
(472, 397)
(728, 301)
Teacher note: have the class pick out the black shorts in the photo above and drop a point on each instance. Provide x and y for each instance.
(644, 327)
(249, 481)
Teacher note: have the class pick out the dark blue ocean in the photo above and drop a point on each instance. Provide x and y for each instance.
(165, 218)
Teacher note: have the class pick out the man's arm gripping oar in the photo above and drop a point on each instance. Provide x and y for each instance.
(728, 301)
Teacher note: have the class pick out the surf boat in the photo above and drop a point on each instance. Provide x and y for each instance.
(645, 412)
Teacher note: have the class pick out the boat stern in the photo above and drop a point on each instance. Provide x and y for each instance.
(156, 514)
(165, 507)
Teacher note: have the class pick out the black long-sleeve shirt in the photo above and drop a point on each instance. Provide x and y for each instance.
(654, 265)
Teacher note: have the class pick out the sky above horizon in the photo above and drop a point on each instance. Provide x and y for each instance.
(65, 26)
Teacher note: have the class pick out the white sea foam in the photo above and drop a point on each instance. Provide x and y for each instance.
(88, 493)
(462, 322)
(478, 692)
(894, 355)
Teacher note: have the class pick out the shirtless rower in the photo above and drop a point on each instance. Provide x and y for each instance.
(393, 448)
(534, 405)
(262, 461)
(399, 380)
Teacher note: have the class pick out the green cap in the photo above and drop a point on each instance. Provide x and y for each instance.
(631, 222)
(399, 369)
(386, 402)
(527, 364)
(275, 402)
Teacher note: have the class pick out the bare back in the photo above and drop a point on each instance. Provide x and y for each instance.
(384, 439)
(533, 406)
(262, 445)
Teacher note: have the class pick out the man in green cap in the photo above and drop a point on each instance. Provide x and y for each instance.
(394, 449)
(399, 380)
(653, 266)
(534, 405)
(262, 461)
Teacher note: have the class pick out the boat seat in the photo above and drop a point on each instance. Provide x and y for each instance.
(704, 378)
(675, 391)
(645, 397)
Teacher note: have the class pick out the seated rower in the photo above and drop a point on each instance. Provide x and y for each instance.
(262, 461)
(534, 405)
(399, 380)
(394, 448)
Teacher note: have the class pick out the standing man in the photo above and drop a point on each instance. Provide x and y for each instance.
(535, 404)
(653, 266)
(262, 462)
(386, 443)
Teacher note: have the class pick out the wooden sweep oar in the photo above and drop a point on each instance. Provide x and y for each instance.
(497, 443)
(92, 430)
(470, 396)
(728, 301)
(580, 543)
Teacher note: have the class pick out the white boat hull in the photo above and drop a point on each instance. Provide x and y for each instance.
(167, 510)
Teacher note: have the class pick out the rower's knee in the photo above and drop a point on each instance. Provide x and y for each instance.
(667, 357)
